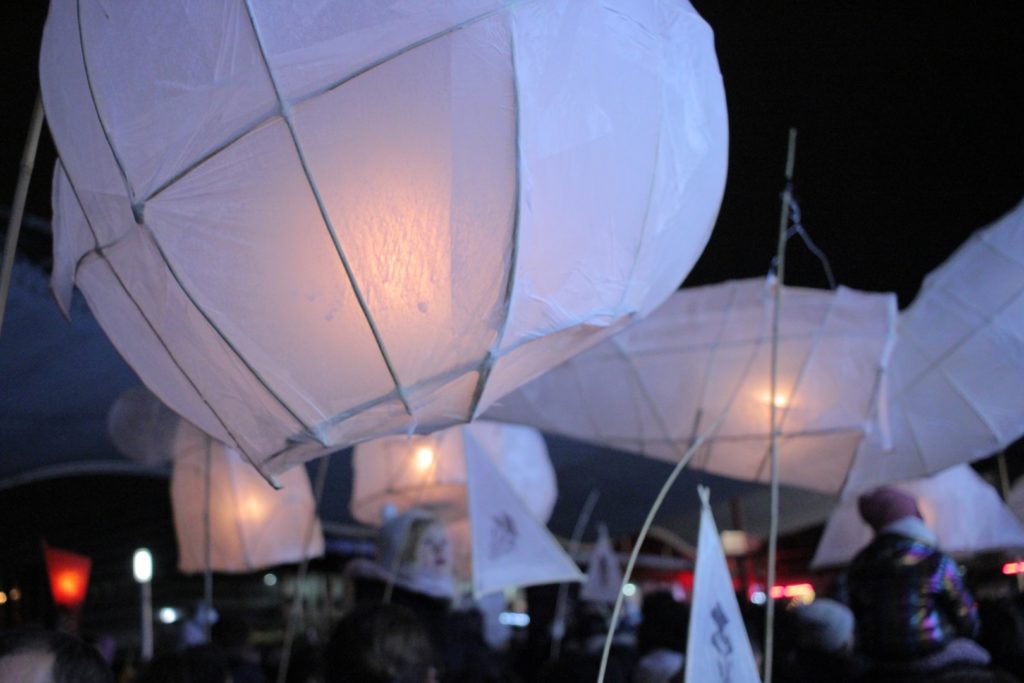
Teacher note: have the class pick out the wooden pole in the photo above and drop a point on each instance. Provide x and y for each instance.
(28, 160)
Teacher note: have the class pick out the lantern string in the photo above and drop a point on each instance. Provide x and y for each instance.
(796, 228)
(207, 539)
(773, 532)
(558, 627)
(295, 612)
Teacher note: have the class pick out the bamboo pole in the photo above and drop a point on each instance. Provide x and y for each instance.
(28, 160)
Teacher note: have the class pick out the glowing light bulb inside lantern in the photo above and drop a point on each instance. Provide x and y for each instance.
(68, 586)
(423, 458)
(780, 400)
(251, 510)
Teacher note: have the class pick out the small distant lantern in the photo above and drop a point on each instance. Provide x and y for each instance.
(430, 471)
(252, 526)
(69, 576)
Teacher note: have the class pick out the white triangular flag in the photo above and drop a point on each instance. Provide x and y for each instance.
(509, 546)
(718, 649)
(604, 577)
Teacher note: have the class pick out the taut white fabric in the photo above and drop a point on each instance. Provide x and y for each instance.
(429, 472)
(310, 224)
(704, 356)
(604, 577)
(967, 515)
(717, 647)
(958, 367)
(509, 546)
(252, 526)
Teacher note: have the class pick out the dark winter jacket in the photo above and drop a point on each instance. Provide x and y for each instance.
(908, 598)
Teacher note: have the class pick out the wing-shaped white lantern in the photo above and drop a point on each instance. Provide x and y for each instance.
(958, 367)
(252, 526)
(966, 514)
(310, 224)
(700, 366)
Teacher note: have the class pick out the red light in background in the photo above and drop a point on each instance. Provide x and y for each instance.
(795, 590)
(69, 576)
(1011, 568)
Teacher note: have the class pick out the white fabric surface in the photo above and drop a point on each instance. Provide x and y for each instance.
(704, 356)
(958, 367)
(310, 224)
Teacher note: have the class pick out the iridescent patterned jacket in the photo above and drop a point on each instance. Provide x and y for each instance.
(908, 598)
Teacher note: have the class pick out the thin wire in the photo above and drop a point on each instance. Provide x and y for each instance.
(796, 228)
(773, 533)
(300, 578)
(563, 589)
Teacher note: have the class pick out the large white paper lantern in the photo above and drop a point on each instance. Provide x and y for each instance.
(700, 366)
(966, 514)
(957, 370)
(252, 526)
(430, 471)
(309, 224)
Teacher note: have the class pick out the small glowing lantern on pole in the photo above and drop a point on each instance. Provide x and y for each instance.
(142, 570)
(69, 576)
(307, 225)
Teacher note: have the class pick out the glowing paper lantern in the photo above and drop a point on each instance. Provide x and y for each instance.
(252, 526)
(966, 514)
(509, 495)
(312, 224)
(958, 367)
(700, 366)
(69, 576)
(430, 471)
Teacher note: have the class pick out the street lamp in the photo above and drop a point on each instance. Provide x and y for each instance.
(142, 568)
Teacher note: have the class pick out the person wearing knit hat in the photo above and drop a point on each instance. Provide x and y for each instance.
(911, 607)
(824, 643)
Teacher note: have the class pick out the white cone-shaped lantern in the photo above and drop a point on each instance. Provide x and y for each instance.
(252, 526)
(958, 367)
(310, 224)
(700, 366)
(966, 514)
(429, 472)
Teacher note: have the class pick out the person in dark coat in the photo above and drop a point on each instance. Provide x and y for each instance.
(911, 606)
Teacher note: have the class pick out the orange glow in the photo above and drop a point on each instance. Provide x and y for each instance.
(780, 400)
(69, 576)
(424, 458)
(252, 509)
(1011, 568)
(803, 591)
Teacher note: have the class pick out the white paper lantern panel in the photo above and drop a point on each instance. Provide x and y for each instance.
(700, 366)
(311, 224)
(966, 513)
(957, 369)
(252, 526)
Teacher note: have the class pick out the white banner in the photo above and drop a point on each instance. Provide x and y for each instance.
(604, 576)
(509, 546)
(718, 649)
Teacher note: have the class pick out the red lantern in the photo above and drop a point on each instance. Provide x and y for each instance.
(69, 576)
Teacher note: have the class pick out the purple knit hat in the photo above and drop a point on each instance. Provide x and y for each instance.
(885, 505)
